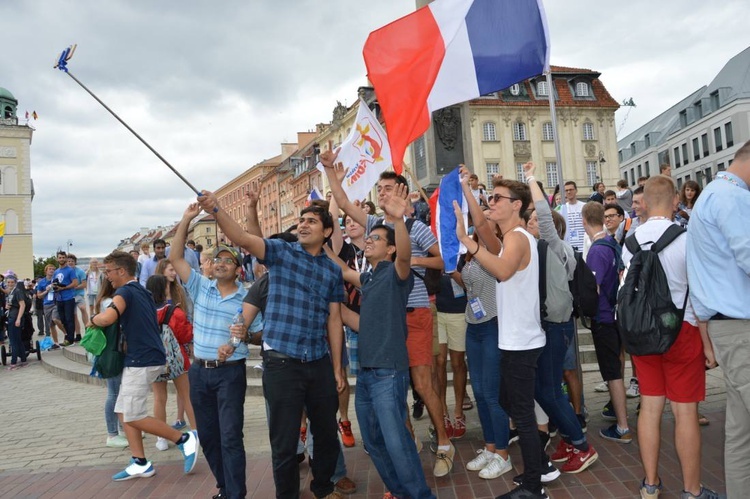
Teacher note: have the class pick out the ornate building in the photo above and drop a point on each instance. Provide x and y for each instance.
(16, 189)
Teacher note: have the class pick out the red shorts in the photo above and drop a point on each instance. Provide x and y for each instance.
(419, 337)
(679, 374)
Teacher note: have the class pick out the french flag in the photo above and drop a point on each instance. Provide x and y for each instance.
(444, 219)
(315, 194)
(451, 51)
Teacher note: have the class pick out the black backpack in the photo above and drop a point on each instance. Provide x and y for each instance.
(648, 319)
(583, 289)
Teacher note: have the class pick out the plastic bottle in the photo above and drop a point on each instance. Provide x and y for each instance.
(236, 320)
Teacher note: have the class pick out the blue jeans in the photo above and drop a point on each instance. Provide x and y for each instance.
(549, 378)
(484, 370)
(218, 398)
(381, 411)
(16, 343)
(113, 390)
(67, 312)
(289, 385)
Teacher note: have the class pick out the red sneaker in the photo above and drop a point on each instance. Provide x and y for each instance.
(448, 426)
(459, 428)
(580, 460)
(347, 438)
(562, 453)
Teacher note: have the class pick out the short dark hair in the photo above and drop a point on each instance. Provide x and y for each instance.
(610, 192)
(570, 182)
(159, 241)
(664, 166)
(390, 236)
(199, 248)
(61, 252)
(322, 213)
(596, 185)
(643, 179)
(73, 257)
(638, 190)
(190, 241)
(615, 206)
(122, 259)
(518, 190)
(157, 284)
(400, 179)
(622, 183)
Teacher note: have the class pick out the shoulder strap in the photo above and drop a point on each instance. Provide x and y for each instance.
(542, 247)
(168, 315)
(672, 232)
(409, 224)
(631, 243)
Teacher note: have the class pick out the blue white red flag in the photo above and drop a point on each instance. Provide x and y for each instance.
(444, 218)
(314, 194)
(448, 52)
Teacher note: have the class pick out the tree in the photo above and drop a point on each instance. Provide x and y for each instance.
(40, 263)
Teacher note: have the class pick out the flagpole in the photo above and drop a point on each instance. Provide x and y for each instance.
(416, 182)
(553, 112)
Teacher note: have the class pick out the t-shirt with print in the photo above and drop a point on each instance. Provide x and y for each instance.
(602, 261)
(140, 327)
(49, 297)
(64, 276)
(673, 260)
(574, 232)
(422, 239)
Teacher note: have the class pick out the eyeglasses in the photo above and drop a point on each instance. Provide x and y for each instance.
(375, 237)
(228, 261)
(612, 215)
(495, 198)
(107, 271)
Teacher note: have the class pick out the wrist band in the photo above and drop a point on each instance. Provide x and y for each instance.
(530, 179)
(479, 246)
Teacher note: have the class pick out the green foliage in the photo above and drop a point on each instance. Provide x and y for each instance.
(40, 263)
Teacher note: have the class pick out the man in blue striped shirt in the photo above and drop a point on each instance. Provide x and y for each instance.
(302, 341)
(217, 387)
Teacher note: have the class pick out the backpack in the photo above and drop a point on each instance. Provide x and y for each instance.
(583, 288)
(431, 277)
(175, 365)
(648, 319)
(554, 288)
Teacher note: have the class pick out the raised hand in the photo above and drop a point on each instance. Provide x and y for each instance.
(253, 196)
(529, 168)
(208, 201)
(192, 211)
(397, 205)
(328, 158)
(463, 174)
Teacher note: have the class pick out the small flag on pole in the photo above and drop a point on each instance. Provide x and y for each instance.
(2, 233)
(34, 115)
(315, 194)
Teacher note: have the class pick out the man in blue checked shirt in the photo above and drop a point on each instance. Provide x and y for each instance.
(302, 341)
(217, 386)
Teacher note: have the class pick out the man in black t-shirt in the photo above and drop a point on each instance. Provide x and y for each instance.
(15, 306)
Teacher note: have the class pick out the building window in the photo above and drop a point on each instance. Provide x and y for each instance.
(591, 175)
(696, 150)
(520, 176)
(684, 154)
(492, 169)
(582, 89)
(640, 171)
(647, 140)
(708, 174)
(488, 132)
(698, 110)
(720, 167)
(515, 89)
(704, 143)
(632, 176)
(717, 139)
(548, 133)
(677, 157)
(519, 131)
(648, 170)
(542, 89)
(683, 118)
(728, 134)
(209, 243)
(588, 131)
(552, 178)
(679, 183)
(714, 100)
(632, 148)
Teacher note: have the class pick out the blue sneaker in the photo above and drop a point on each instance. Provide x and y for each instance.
(608, 412)
(190, 451)
(135, 470)
(179, 424)
(612, 433)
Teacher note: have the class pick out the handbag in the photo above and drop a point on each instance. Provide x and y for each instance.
(111, 360)
(175, 365)
(94, 340)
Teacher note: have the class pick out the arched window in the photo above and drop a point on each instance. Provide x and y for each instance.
(519, 131)
(582, 89)
(542, 89)
(11, 222)
(488, 132)
(515, 89)
(548, 133)
(588, 131)
(9, 180)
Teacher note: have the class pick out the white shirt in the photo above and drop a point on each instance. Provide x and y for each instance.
(574, 232)
(673, 260)
(519, 325)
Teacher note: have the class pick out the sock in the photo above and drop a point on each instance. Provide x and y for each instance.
(622, 431)
(140, 461)
(583, 447)
(183, 439)
(444, 448)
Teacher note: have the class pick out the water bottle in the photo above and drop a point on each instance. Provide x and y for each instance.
(234, 342)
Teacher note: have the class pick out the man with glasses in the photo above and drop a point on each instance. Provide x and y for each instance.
(302, 340)
(613, 215)
(144, 361)
(571, 212)
(148, 267)
(217, 384)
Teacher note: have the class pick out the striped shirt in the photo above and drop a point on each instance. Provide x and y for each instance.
(574, 231)
(422, 239)
(479, 284)
(212, 316)
(301, 288)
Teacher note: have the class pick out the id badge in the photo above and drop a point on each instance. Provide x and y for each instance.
(477, 308)
(458, 291)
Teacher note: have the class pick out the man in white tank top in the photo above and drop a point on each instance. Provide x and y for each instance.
(514, 262)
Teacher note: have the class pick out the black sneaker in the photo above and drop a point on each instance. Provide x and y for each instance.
(582, 421)
(521, 493)
(220, 495)
(417, 409)
(549, 474)
(512, 436)
(552, 429)
(78, 338)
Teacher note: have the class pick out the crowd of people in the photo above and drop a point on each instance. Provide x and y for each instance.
(372, 298)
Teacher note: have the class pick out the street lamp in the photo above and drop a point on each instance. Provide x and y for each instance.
(601, 160)
(69, 244)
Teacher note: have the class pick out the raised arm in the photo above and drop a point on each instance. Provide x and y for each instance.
(177, 254)
(335, 173)
(253, 224)
(337, 237)
(350, 275)
(484, 229)
(395, 208)
(255, 245)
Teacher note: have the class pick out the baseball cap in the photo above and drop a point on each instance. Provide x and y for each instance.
(232, 251)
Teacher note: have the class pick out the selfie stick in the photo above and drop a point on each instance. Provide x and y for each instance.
(62, 65)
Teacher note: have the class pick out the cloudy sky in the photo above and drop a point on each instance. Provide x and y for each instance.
(217, 86)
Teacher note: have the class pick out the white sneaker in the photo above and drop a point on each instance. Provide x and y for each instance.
(483, 459)
(601, 387)
(162, 443)
(118, 442)
(496, 467)
(634, 390)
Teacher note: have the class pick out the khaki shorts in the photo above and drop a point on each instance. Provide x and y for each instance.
(80, 300)
(452, 330)
(134, 391)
